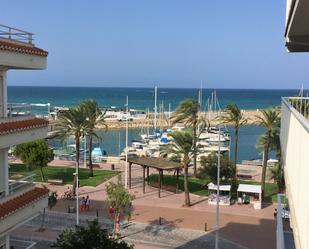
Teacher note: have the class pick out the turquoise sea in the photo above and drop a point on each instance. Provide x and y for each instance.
(142, 98)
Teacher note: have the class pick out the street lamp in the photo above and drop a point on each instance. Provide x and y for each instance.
(77, 200)
(218, 191)
(127, 130)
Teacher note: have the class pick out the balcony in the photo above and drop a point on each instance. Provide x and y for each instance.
(23, 129)
(20, 207)
(23, 202)
(295, 158)
(17, 50)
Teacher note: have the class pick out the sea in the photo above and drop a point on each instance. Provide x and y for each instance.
(113, 141)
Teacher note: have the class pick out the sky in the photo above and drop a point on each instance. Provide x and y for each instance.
(169, 43)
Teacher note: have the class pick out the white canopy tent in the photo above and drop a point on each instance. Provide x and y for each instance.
(252, 191)
(212, 186)
(248, 188)
(224, 198)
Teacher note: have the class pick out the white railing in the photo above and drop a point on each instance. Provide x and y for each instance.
(15, 185)
(301, 104)
(14, 34)
(280, 232)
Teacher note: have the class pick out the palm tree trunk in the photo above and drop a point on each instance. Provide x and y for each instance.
(186, 186)
(42, 174)
(77, 145)
(235, 145)
(90, 157)
(194, 149)
(235, 152)
(265, 159)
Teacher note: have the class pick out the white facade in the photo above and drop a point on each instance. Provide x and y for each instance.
(295, 159)
(17, 55)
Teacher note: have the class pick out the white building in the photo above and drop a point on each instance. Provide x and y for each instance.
(295, 133)
(20, 200)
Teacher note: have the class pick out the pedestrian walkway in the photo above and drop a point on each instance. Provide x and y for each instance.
(241, 224)
(149, 235)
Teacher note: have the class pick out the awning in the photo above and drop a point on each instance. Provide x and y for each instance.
(248, 188)
(212, 186)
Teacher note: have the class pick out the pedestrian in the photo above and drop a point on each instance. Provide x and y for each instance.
(83, 203)
(87, 203)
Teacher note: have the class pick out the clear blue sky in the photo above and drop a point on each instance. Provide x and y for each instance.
(173, 43)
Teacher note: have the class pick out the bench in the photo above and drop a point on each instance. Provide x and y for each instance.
(55, 181)
(244, 176)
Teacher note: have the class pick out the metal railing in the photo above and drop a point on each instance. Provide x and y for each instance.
(301, 104)
(14, 34)
(16, 184)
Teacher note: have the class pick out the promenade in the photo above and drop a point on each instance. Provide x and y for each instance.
(241, 225)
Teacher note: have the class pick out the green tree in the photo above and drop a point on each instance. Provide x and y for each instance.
(209, 167)
(270, 120)
(276, 172)
(188, 113)
(72, 122)
(119, 199)
(35, 154)
(234, 116)
(182, 147)
(89, 237)
(94, 117)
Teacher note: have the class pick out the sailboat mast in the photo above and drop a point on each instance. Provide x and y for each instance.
(155, 109)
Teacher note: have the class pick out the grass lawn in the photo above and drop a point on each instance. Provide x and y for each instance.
(197, 186)
(66, 174)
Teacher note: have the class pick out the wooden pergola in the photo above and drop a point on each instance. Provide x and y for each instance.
(159, 164)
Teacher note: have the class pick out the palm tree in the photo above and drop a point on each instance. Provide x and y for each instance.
(277, 170)
(270, 120)
(94, 117)
(187, 112)
(235, 117)
(183, 148)
(72, 122)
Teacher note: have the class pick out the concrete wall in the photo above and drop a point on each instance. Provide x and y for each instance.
(18, 218)
(22, 61)
(295, 157)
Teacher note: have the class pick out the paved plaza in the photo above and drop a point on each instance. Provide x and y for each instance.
(240, 226)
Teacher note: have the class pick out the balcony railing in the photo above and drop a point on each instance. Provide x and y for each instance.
(17, 182)
(17, 35)
(301, 104)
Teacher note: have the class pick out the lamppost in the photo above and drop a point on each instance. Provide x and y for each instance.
(77, 200)
(127, 130)
(218, 191)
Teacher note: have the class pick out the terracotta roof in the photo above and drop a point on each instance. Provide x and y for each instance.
(24, 49)
(13, 205)
(19, 125)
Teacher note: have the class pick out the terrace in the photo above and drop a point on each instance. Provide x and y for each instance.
(16, 35)
(294, 137)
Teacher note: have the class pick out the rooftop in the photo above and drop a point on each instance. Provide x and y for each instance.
(10, 125)
(20, 41)
(11, 206)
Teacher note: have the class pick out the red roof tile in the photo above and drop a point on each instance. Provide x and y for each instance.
(11, 206)
(24, 124)
(24, 49)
